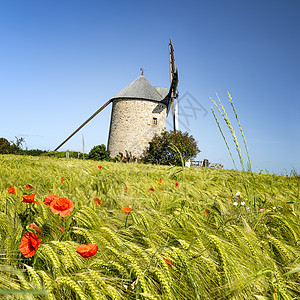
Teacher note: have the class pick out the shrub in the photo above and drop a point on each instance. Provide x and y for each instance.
(127, 158)
(99, 153)
(164, 148)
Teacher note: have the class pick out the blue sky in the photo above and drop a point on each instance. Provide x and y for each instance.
(61, 60)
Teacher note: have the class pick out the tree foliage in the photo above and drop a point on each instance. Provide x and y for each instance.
(167, 147)
(4, 146)
(16, 147)
(99, 153)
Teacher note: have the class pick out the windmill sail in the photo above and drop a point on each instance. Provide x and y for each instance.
(84, 123)
(173, 83)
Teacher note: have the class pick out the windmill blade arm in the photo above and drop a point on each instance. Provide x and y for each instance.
(173, 86)
(89, 119)
(172, 90)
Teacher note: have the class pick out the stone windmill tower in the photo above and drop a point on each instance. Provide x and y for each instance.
(139, 112)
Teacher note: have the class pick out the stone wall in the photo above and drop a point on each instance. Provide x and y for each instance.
(132, 126)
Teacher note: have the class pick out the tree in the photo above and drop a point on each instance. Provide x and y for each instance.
(4, 146)
(99, 153)
(16, 147)
(166, 148)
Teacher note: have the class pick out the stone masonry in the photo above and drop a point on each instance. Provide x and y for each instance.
(134, 122)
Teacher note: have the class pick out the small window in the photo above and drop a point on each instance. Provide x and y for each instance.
(154, 121)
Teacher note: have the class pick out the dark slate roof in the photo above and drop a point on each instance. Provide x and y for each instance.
(142, 89)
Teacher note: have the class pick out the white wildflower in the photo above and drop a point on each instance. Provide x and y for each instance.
(235, 203)
(274, 207)
(243, 203)
(238, 194)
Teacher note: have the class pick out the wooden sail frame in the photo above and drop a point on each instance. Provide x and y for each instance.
(173, 83)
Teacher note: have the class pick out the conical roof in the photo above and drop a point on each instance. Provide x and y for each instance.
(141, 89)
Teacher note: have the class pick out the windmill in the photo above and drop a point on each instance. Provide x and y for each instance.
(138, 113)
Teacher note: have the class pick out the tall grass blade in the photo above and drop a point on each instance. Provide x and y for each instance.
(244, 139)
(223, 137)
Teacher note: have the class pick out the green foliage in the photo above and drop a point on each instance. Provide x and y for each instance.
(127, 158)
(11, 148)
(169, 147)
(16, 148)
(229, 125)
(4, 146)
(35, 152)
(185, 242)
(99, 153)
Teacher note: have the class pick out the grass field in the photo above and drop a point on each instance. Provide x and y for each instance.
(216, 234)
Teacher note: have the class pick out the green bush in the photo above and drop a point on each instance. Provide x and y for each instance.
(166, 148)
(127, 158)
(99, 153)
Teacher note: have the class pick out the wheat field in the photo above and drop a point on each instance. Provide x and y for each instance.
(190, 233)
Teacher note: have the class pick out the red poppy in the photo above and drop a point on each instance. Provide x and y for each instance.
(29, 199)
(167, 261)
(160, 180)
(177, 184)
(35, 227)
(11, 190)
(207, 212)
(47, 201)
(151, 190)
(126, 190)
(100, 167)
(28, 186)
(62, 206)
(29, 244)
(97, 201)
(63, 179)
(126, 209)
(87, 250)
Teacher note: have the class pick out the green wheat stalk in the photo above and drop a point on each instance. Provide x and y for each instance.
(226, 119)
(244, 139)
(223, 136)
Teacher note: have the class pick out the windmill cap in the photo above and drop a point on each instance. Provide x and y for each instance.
(142, 89)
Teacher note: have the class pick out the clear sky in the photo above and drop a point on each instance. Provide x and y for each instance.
(60, 60)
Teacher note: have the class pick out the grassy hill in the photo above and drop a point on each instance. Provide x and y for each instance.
(216, 234)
